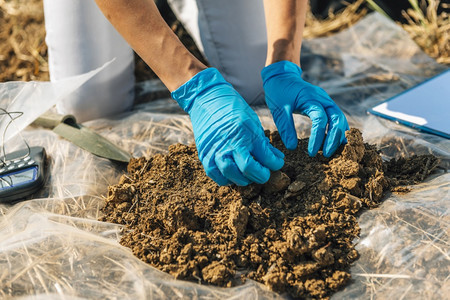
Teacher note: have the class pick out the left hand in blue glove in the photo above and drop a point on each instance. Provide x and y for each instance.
(286, 92)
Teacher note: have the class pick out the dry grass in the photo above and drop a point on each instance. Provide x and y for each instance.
(23, 52)
(430, 30)
(335, 21)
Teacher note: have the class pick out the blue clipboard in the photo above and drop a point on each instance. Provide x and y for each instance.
(425, 107)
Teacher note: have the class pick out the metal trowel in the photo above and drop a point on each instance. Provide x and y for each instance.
(85, 138)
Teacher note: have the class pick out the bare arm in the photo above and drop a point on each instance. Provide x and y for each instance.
(142, 26)
(285, 21)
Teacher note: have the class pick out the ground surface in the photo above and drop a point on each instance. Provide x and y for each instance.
(23, 52)
(295, 233)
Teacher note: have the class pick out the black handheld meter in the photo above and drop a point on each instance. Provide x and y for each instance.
(22, 173)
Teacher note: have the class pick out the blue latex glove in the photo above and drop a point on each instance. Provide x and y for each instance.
(286, 92)
(230, 139)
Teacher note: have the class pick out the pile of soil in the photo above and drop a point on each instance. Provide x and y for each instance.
(294, 234)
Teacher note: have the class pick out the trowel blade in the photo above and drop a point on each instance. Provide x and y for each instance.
(90, 141)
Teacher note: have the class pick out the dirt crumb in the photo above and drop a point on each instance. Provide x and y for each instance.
(294, 233)
(278, 181)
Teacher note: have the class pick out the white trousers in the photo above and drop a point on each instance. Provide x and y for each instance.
(231, 34)
(80, 39)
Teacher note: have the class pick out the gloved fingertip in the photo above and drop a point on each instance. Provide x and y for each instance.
(277, 152)
(215, 175)
(222, 182)
(250, 167)
(278, 164)
(313, 146)
(242, 183)
(291, 144)
(312, 153)
(240, 180)
(285, 124)
(277, 159)
(329, 150)
(263, 176)
(334, 139)
(267, 155)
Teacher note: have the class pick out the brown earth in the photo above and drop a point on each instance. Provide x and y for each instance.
(294, 234)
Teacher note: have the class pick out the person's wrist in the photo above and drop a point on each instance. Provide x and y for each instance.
(281, 51)
(197, 85)
(184, 76)
(278, 68)
(280, 58)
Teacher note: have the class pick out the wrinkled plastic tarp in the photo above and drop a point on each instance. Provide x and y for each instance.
(26, 101)
(54, 247)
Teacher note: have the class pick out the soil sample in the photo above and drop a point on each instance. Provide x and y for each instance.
(294, 234)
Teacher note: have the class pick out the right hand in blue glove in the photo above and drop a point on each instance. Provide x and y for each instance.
(228, 134)
(286, 92)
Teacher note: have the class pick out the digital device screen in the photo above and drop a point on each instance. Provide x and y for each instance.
(18, 178)
(425, 106)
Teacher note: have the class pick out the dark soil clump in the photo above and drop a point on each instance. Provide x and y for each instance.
(294, 234)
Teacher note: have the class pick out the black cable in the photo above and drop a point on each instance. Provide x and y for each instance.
(4, 112)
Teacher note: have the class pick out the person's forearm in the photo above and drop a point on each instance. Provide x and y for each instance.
(285, 21)
(142, 26)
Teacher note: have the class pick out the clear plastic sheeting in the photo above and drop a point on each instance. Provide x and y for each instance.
(53, 246)
(29, 100)
(404, 246)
